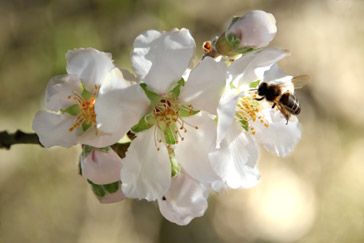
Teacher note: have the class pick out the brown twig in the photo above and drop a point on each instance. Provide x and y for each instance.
(8, 139)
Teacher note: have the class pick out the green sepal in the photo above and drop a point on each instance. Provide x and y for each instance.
(86, 149)
(245, 50)
(170, 135)
(152, 96)
(233, 20)
(86, 95)
(176, 90)
(86, 125)
(145, 123)
(185, 112)
(175, 168)
(73, 110)
(233, 41)
(98, 190)
(112, 188)
(254, 85)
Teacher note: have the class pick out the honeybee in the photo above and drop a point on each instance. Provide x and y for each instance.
(286, 102)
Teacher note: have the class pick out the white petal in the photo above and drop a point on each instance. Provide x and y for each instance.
(102, 167)
(53, 129)
(251, 67)
(146, 173)
(89, 64)
(59, 89)
(160, 58)
(113, 197)
(118, 109)
(99, 139)
(235, 162)
(192, 153)
(278, 138)
(205, 85)
(185, 200)
(226, 113)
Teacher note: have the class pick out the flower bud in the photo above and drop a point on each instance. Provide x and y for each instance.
(101, 167)
(255, 29)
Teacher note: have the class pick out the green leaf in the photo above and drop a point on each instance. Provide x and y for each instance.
(176, 90)
(185, 111)
(112, 188)
(73, 110)
(254, 85)
(175, 168)
(152, 96)
(86, 125)
(85, 93)
(145, 123)
(169, 134)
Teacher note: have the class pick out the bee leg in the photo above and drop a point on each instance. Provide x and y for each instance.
(259, 99)
(285, 113)
(274, 105)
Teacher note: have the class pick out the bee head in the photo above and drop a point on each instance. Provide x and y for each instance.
(262, 89)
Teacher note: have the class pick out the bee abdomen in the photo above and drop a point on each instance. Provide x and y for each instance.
(291, 103)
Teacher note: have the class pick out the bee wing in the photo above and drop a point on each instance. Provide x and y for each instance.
(300, 81)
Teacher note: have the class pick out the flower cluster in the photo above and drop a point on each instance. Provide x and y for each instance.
(191, 129)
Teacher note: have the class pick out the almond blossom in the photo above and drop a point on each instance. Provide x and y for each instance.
(71, 99)
(169, 115)
(245, 122)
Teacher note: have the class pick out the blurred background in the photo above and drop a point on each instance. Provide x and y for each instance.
(316, 194)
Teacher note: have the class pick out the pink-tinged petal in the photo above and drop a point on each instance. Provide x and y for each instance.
(235, 162)
(102, 167)
(226, 113)
(160, 58)
(192, 153)
(205, 85)
(60, 91)
(146, 173)
(251, 67)
(113, 197)
(118, 109)
(53, 129)
(185, 200)
(89, 64)
(279, 137)
(255, 29)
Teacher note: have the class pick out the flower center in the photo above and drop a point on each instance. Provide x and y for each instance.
(169, 123)
(247, 112)
(86, 116)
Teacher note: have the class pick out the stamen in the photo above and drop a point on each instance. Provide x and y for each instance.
(247, 112)
(87, 113)
(168, 121)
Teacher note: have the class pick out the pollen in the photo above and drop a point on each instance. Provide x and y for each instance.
(87, 114)
(247, 112)
(169, 124)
